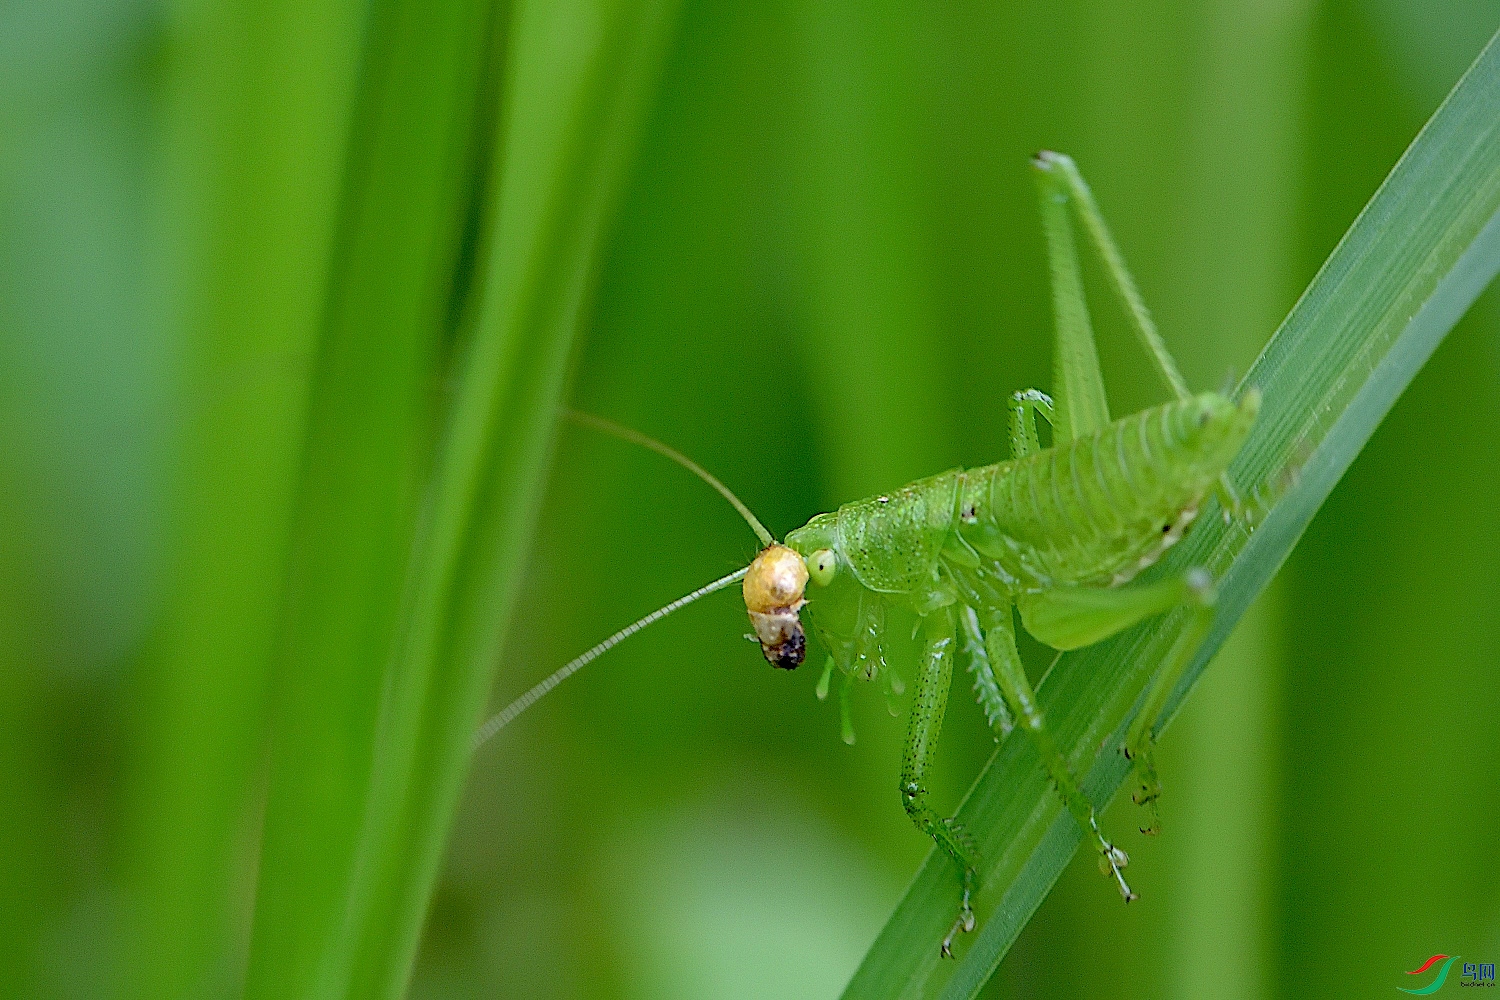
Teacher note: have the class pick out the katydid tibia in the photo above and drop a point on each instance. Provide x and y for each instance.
(1056, 534)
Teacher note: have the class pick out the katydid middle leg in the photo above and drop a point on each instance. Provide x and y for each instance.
(1000, 642)
(1024, 406)
(1062, 184)
(986, 686)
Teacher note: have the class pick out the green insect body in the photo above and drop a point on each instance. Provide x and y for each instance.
(1088, 514)
(1093, 512)
(1056, 534)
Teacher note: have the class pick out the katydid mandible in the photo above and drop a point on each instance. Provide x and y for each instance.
(1056, 534)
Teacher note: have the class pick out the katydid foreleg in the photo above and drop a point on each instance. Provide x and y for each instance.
(929, 703)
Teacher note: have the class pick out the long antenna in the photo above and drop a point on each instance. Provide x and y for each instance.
(636, 437)
(508, 714)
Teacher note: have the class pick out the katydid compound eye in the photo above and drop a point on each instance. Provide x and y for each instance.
(821, 566)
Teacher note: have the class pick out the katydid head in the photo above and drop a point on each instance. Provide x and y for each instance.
(773, 596)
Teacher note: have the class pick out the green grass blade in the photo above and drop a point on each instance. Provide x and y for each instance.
(408, 184)
(577, 77)
(1424, 247)
(246, 195)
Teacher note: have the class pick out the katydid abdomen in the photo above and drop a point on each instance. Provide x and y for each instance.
(1091, 512)
(1097, 510)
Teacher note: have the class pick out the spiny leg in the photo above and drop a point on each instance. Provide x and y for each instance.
(929, 702)
(1060, 181)
(1000, 641)
(986, 688)
(1140, 738)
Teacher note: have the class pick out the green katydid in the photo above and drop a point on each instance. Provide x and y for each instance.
(1055, 533)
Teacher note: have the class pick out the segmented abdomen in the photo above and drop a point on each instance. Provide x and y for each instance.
(1099, 509)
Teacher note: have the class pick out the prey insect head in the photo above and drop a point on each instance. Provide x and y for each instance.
(773, 591)
(773, 588)
(773, 582)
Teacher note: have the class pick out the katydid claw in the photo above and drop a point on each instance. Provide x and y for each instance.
(963, 925)
(1111, 860)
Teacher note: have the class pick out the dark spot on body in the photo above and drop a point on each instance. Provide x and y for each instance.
(1166, 529)
(790, 653)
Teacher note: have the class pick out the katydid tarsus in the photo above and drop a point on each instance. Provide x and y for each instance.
(1056, 533)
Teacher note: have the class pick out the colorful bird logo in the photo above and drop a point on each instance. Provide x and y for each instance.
(1431, 987)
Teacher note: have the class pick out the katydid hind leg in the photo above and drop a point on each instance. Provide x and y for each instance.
(1000, 640)
(1079, 403)
(1141, 737)
(1073, 617)
(1060, 179)
(929, 702)
(1068, 618)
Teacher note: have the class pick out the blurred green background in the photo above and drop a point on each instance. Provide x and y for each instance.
(820, 274)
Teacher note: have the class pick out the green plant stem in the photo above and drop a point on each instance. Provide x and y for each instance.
(1421, 251)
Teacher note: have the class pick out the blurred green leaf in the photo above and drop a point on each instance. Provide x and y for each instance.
(248, 177)
(577, 79)
(415, 155)
(1426, 245)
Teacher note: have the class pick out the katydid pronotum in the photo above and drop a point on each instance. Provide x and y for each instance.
(1055, 533)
